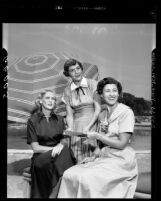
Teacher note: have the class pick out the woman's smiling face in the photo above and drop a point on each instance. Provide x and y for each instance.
(76, 73)
(110, 94)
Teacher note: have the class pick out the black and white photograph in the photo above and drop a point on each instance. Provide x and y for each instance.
(79, 109)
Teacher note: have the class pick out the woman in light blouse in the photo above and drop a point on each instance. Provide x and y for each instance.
(82, 109)
(112, 171)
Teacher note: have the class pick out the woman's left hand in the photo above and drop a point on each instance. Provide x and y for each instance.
(88, 159)
(57, 149)
(97, 152)
(92, 135)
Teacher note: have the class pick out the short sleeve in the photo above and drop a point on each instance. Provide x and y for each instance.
(99, 99)
(31, 133)
(96, 96)
(127, 121)
(93, 85)
(66, 96)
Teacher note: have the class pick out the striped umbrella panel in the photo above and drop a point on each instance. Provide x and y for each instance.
(29, 75)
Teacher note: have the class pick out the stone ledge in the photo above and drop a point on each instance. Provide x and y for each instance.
(143, 151)
(29, 151)
(19, 151)
(17, 187)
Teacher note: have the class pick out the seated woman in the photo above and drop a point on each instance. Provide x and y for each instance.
(112, 172)
(51, 157)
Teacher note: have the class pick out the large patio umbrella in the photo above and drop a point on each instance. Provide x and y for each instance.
(29, 75)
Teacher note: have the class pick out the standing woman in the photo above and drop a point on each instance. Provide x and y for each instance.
(113, 173)
(82, 110)
(51, 157)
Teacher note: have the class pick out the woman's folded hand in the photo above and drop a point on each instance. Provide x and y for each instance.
(87, 160)
(57, 149)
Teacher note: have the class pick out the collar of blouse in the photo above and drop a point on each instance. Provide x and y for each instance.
(83, 83)
(40, 115)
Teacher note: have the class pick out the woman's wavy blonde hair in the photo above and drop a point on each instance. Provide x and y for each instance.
(38, 104)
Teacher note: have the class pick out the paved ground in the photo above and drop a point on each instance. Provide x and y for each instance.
(16, 161)
(17, 187)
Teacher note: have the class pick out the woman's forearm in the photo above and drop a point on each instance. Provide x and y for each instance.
(95, 115)
(69, 120)
(69, 116)
(39, 148)
(94, 118)
(112, 142)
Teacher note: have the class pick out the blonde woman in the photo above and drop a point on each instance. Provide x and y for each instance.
(51, 156)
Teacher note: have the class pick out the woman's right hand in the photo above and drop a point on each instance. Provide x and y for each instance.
(66, 131)
(57, 149)
(69, 129)
(86, 129)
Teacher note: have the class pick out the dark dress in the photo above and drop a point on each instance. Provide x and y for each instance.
(47, 171)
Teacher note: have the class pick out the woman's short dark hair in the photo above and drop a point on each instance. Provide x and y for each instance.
(108, 80)
(71, 62)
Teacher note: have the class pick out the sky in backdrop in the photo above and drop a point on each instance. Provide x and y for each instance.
(122, 51)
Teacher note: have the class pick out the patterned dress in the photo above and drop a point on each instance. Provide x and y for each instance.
(81, 101)
(114, 173)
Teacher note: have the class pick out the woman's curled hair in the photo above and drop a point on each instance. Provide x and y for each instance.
(108, 80)
(71, 62)
(38, 105)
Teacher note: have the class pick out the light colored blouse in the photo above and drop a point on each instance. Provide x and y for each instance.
(77, 97)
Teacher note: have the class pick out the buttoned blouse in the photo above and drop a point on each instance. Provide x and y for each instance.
(47, 133)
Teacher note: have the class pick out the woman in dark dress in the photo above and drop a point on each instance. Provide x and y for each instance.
(51, 156)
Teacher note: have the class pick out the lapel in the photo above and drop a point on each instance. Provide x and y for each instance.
(120, 109)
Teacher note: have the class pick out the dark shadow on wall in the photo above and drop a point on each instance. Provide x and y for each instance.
(17, 167)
